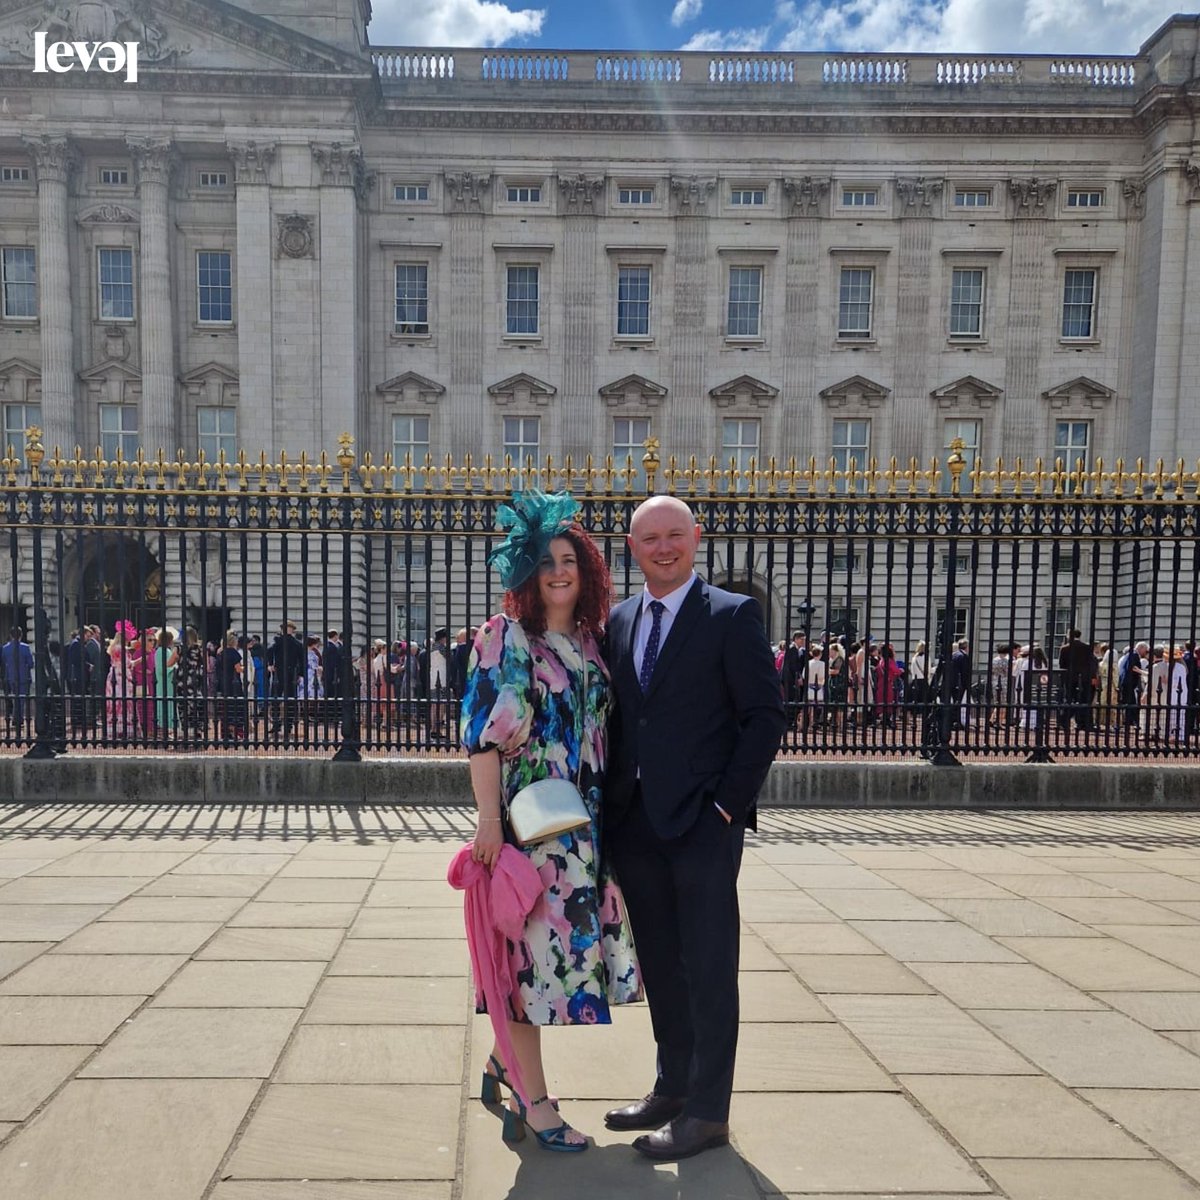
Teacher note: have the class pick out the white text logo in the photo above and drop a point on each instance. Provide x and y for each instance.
(60, 57)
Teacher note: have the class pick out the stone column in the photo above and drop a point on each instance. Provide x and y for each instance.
(473, 418)
(54, 159)
(154, 159)
(577, 403)
(1024, 427)
(256, 385)
(689, 429)
(343, 178)
(910, 408)
(801, 423)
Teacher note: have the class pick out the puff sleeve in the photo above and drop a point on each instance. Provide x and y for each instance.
(497, 705)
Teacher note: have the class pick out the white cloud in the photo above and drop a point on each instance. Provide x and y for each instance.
(729, 39)
(685, 10)
(451, 23)
(970, 26)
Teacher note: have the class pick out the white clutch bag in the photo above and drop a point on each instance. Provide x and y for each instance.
(545, 809)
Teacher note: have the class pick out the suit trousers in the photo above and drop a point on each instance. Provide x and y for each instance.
(681, 897)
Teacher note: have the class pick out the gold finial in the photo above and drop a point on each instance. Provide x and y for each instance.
(651, 461)
(345, 458)
(34, 450)
(955, 462)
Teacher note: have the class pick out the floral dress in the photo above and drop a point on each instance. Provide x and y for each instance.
(523, 698)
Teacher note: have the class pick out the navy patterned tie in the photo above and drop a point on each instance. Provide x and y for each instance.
(651, 656)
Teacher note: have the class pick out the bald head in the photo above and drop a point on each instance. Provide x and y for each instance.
(663, 537)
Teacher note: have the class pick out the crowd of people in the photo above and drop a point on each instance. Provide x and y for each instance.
(1153, 692)
(161, 686)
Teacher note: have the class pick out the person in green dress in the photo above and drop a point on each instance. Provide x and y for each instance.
(166, 655)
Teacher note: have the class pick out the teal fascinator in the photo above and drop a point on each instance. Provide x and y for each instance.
(533, 520)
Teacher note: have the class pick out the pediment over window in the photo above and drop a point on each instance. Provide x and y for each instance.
(412, 388)
(1080, 392)
(20, 382)
(744, 392)
(213, 384)
(112, 382)
(856, 392)
(967, 392)
(633, 391)
(522, 389)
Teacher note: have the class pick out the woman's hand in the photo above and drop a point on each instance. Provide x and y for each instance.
(489, 839)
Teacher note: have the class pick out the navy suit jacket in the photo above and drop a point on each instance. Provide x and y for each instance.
(708, 727)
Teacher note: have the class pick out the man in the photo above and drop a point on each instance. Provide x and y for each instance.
(698, 722)
(75, 676)
(1077, 664)
(793, 675)
(98, 663)
(333, 665)
(960, 680)
(16, 661)
(459, 657)
(434, 666)
(286, 661)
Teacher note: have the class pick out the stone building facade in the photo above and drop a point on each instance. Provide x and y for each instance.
(280, 233)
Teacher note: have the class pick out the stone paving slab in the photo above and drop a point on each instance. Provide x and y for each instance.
(935, 1004)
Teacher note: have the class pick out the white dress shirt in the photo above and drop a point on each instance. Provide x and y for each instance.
(672, 602)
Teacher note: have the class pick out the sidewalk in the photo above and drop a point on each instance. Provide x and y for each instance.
(273, 1004)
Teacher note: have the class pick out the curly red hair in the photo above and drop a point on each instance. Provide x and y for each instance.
(524, 603)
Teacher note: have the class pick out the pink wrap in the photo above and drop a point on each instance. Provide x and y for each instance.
(495, 906)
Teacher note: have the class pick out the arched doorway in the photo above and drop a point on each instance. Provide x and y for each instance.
(113, 577)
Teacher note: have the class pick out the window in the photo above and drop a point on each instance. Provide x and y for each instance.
(1072, 442)
(118, 430)
(966, 303)
(117, 176)
(214, 179)
(748, 197)
(851, 440)
(854, 303)
(969, 432)
(1060, 620)
(412, 298)
(635, 195)
(739, 445)
(522, 439)
(410, 193)
(214, 285)
(962, 628)
(521, 302)
(633, 302)
(14, 174)
(410, 440)
(629, 435)
(962, 563)
(217, 431)
(115, 265)
(843, 562)
(18, 276)
(412, 620)
(524, 195)
(745, 302)
(845, 620)
(17, 419)
(971, 198)
(860, 197)
(1085, 198)
(1079, 304)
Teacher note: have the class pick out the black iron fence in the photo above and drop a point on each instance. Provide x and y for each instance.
(295, 607)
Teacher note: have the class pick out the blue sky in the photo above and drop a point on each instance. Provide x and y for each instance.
(910, 26)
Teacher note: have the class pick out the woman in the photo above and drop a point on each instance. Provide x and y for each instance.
(887, 685)
(142, 669)
(836, 685)
(1028, 689)
(230, 688)
(816, 675)
(1164, 702)
(524, 719)
(310, 688)
(119, 687)
(166, 657)
(918, 678)
(191, 681)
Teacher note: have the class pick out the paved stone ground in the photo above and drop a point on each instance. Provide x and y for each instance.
(273, 1004)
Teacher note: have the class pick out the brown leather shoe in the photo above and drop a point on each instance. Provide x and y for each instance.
(648, 1113)
(681, 1138)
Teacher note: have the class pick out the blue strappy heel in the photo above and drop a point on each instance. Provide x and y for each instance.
(489, 1088)
(516, 1122)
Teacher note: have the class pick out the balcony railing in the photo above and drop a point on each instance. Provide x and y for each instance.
(769, 71)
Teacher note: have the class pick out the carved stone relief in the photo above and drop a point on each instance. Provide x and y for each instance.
(806, 195)
(294, 236)
(99, 21)
(691, 194)
(1030, 196)
(1191, 177)
(1134, 191)
(251, 161)
(917, 195)
(54, 158)
(107, 214)
(580, 192)
(466, 190)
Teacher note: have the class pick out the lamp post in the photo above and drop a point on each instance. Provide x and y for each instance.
(804, 610)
